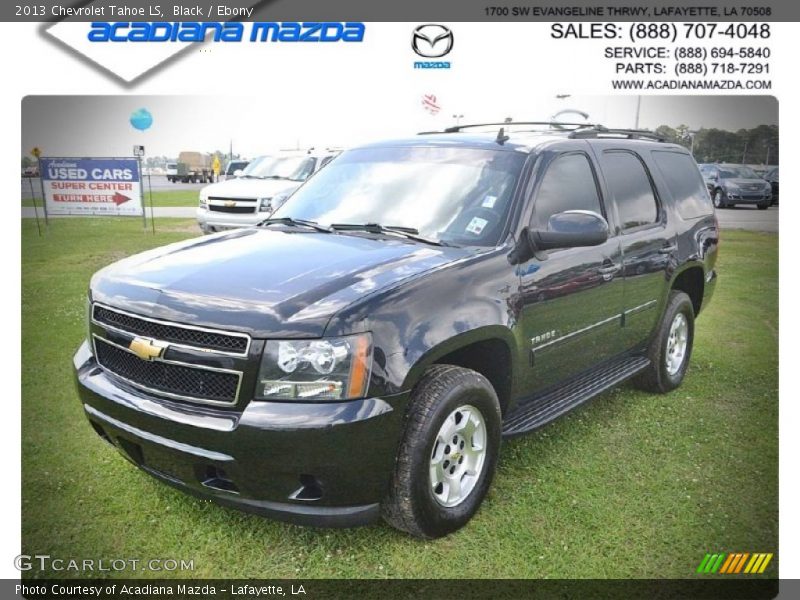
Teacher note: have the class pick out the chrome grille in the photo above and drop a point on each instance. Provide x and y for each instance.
(194, 337)
(171, 379)
(237, 210)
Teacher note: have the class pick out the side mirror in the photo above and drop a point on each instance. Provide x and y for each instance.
(238, 173)
(568, 229)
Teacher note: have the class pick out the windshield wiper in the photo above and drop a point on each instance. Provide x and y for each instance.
(290, 222)
(407, 232)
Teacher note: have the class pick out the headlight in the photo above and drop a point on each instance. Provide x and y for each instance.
(264, 205)
(203, 199)
(731, 186)
(327, 369)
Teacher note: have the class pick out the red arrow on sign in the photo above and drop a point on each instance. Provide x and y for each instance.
(119, 199)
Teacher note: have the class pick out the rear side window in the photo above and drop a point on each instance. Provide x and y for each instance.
(685, 183)
(568, 184)
(631, 189)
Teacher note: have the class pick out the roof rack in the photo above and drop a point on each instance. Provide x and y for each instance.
(552, 124)
(596, 131)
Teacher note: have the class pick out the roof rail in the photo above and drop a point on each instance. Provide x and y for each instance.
(596, 131)
(552, 124)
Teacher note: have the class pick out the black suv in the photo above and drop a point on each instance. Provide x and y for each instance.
(362, 352)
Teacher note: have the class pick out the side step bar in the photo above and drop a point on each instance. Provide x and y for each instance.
(543, 409)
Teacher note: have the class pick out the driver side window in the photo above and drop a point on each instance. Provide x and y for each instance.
(568, 184)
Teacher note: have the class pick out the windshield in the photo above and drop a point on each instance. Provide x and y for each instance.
(295, 168)
(172, 165)
(737, 173)
(455, 195)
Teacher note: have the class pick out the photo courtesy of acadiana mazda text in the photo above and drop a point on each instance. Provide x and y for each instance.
(362, 351)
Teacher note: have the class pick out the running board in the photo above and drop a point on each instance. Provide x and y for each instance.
(543, 409)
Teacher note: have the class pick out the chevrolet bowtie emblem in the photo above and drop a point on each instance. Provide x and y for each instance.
(147, 349)
(230, 203)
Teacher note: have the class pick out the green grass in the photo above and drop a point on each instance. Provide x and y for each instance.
(176, 197)
(631, 485)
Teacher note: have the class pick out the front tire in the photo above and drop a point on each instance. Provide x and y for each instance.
(671, 347)
(719, 199)
(448, 453)
(764, 205)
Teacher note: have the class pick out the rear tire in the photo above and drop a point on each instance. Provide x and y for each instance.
(447, 455)
(671, 347)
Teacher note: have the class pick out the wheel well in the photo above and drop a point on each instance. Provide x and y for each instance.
(691, 282)
(490, 358)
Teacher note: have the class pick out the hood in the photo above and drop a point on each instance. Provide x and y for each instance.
(245, 187)
(265, 282)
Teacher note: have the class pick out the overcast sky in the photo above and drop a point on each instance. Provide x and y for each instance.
(99, 125)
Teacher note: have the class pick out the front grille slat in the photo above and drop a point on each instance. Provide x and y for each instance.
(196, 338)
(238, 210)
(171, 379)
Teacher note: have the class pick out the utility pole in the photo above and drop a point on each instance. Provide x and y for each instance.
(744, 153)
(638, 110)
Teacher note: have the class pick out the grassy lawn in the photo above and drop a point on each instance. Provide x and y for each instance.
(176, 197)
(631, 485)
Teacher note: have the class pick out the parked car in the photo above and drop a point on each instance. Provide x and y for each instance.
(31, 171)
(171, 172)
(363, 351)
(233, 169)
(262, 186)
(772, 178)
(730, 185)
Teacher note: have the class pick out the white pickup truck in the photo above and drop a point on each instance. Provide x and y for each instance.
(264, 185)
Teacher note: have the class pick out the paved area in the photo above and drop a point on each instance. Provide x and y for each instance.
(183, 212)
(750, 218)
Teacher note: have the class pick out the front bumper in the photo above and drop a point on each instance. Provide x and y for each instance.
(747, 197)
(218, 221)
(323, 464)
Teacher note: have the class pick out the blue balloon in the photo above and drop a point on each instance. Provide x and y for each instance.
(141, 119)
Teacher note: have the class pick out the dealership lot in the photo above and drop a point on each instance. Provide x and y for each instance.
(628, 475)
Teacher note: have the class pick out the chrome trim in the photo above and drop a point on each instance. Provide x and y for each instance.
(157, 439)
(158, 392)
(577, 332)
(179, 326)
(641, 307)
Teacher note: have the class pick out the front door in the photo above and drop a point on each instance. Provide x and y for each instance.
(570, 299)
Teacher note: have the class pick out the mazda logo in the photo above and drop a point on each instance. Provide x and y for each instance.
(432, 40)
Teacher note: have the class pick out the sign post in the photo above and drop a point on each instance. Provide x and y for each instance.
(35, 208)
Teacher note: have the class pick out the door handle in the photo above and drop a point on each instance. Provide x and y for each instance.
(668, 249)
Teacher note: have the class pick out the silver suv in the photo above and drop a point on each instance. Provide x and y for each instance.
(262, 187)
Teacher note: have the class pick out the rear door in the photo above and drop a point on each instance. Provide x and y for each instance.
(647, 241)
(570, 299)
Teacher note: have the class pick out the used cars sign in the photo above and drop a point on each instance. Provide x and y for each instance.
(91, 186)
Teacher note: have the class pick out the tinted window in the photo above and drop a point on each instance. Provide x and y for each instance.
(630, 186)
(568, 184)
(684, 182)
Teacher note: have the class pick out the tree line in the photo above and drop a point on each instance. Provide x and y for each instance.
(758, 145)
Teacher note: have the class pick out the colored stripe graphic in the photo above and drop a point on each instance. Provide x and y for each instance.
(735, 563)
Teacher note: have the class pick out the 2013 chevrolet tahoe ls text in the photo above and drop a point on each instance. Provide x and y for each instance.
(362, 352)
